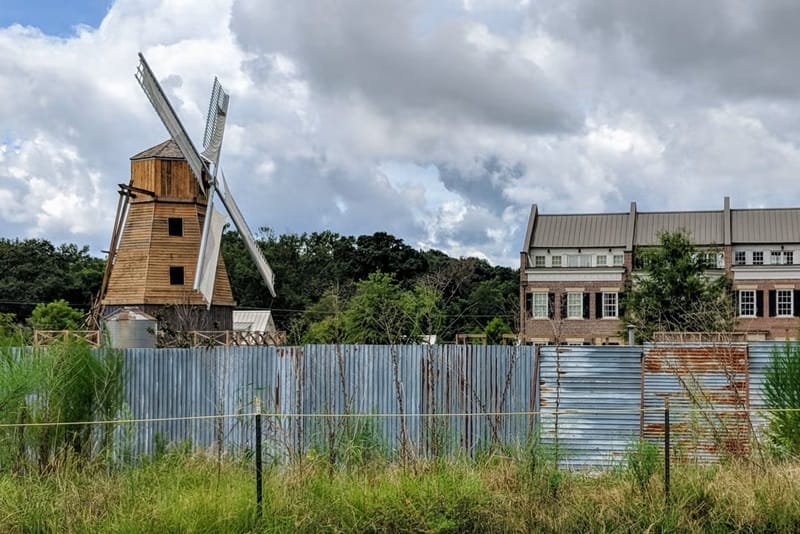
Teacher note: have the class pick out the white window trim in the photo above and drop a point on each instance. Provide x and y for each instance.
(546, 305)
(741, 302)
(616, 304)
(778, 306)
(621, 260)
(578, 306)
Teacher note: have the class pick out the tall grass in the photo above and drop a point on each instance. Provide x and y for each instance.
(501, 493)
(63, 383)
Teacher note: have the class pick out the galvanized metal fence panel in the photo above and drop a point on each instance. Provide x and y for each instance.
(707, 388)
(487, 392)
(319, 394)
(589, 400)
(168, 383)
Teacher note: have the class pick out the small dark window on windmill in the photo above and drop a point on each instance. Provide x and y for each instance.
(175, 226)
(176, 276)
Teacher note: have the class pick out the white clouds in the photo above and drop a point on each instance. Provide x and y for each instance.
(439, 123)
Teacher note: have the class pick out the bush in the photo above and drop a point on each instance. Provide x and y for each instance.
(782, 397)
(57, 315)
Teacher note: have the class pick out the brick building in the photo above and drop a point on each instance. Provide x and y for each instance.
(573, 269)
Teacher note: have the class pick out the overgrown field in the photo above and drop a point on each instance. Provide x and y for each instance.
(498, 493)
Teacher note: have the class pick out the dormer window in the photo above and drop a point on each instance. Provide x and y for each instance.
(781, 257)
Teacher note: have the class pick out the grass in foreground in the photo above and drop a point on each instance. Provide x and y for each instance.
(497, 494)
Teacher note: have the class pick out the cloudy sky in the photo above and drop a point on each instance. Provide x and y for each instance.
(439, 122)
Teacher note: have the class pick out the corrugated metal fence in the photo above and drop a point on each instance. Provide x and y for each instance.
(393, 394)
(591, 403)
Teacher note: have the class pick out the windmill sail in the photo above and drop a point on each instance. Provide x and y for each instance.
(212, 142)
(215, 124)
(207, 262)
(159, 100)
(261, 263)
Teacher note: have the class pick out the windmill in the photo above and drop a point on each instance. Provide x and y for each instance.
(167, 223)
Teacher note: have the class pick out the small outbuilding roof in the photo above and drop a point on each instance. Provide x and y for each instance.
(253, 320)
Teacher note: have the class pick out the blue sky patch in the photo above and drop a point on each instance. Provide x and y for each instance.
(54, 17)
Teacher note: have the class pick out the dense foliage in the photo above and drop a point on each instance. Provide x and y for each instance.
(371, 288)
(34, 271)
(782, 396)
(673, 293)
(332, 288)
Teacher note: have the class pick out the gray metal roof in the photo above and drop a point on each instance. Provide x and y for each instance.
(710, 227)
(604, 230)
(703, 227)
(253, 320)
(765, 226)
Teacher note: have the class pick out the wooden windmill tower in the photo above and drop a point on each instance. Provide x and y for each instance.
(164, 255)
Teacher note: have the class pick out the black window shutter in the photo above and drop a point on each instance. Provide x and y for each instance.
(796, 303)
(529, 304)
(563, 306)
(598, 305)
(773, 309)
(620, 304)
(551, 305)
(586, 305)
(759, 303)
(735, 297)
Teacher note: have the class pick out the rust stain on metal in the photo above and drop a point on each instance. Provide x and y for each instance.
(686, 360)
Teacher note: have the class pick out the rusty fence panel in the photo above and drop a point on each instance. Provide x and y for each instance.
(707, 388)
(589, 399)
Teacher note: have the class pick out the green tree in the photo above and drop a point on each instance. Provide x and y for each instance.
(674, 292)
(328, 324)
(782, 396)
(494, 331)
(57, 315)
(34, 271)
(378, 312)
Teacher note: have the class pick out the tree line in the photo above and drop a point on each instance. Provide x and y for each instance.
(331, 288)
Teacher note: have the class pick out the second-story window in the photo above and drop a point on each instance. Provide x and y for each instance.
(618, 260)
(538, 261)
(758, 257)
(556, 261)
(740, 257)
(602, 260)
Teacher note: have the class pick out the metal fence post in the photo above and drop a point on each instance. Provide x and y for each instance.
(666, 450)
(259, 489)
